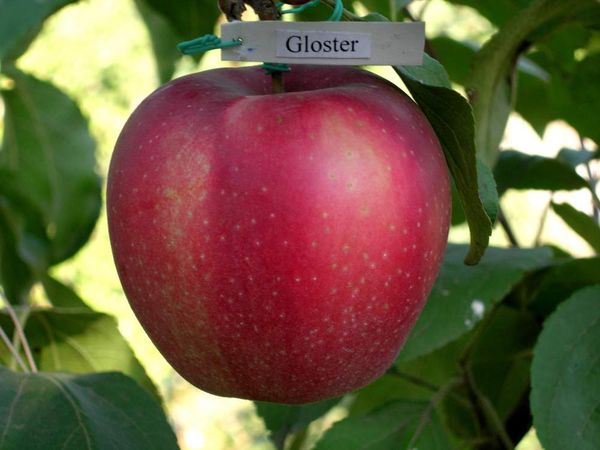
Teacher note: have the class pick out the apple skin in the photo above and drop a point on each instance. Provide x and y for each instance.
(278, 247)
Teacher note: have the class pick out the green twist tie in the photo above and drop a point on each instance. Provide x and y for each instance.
(204, 44)
(275, 67)
(336, 15)
(298, 9)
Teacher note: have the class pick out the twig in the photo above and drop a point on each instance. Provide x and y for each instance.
(277, 82)
(428, 48)
(538, 234)
(20, 333)
(484, 409)
(507, 228)
(593, 182)
(13, 351)
(299, 439)
(413, 379)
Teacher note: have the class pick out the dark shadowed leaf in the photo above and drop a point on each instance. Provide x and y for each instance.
(24, 246)
(456, 56)
(48, 154)
(188, 18)
(532, 97)
(163, 38)
(54, 411)
(398, 425)
(578, 98)
(516, 170)
(562, 279)
(580, 222)
(20, 22)
(462, 295)
(565, 375)
(501, 358)
(281, 420)
(78, 341)
(172, 22)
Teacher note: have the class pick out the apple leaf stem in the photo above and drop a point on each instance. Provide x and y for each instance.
(20, 333)
(277, 82)
(510, 234)
(538, 235)
(412, 379)
(593, 183)
(484, 410)
(13, 351)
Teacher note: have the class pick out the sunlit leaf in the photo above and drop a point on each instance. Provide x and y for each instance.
(48, 154)
(21, 21)
(78, 341)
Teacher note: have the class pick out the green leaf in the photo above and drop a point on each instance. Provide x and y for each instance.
(16, 275)
(172, 22)
(188, 18)
(533, 82)
(578, 98)
(580, 222)
(20, 22)
(565, 390)
(78, 341)
(562, 279)
(462, 295)
(61, 295)
(532, 96)
(281, 420)
(48, 153)
(491, 81)
(455, 56)
(488, 192)
(516, 170)
(23, 242)
(398, 425)
(451, 118)
(54, 411)
(163, 38)
(431, 73)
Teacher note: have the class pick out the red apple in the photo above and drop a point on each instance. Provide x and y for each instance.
(278, 247)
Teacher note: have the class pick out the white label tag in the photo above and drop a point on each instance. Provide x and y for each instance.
(322, 44)
(338, 43)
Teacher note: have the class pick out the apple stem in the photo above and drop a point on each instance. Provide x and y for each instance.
(277, 82)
